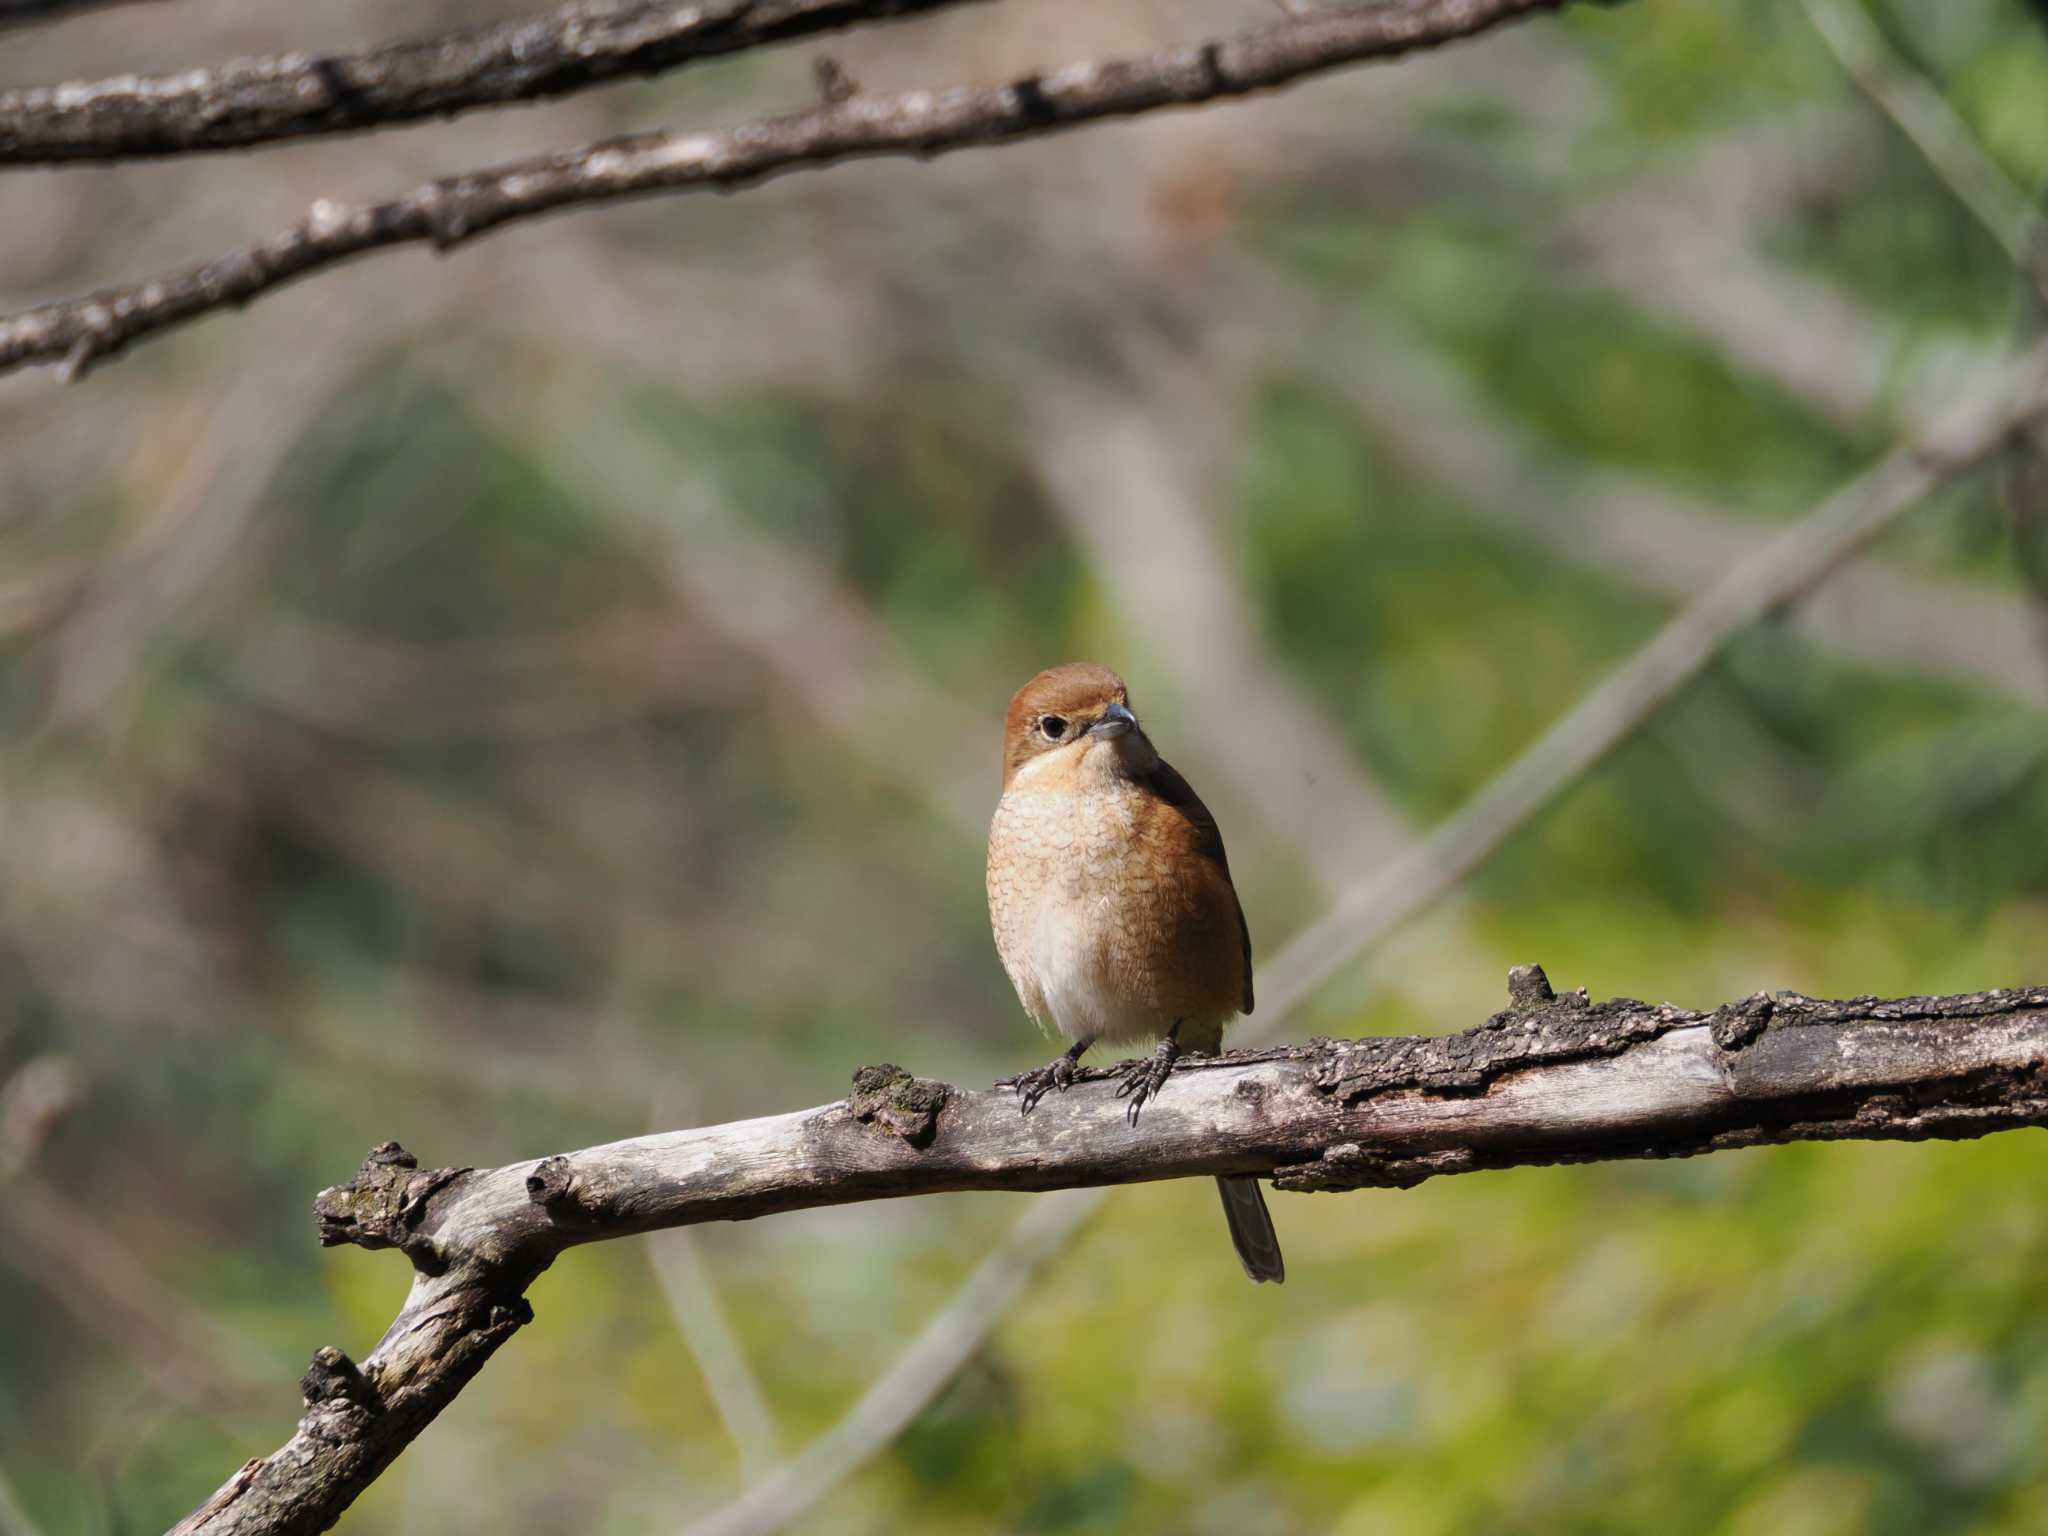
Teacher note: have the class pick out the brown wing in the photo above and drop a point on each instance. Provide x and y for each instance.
(1165, 782)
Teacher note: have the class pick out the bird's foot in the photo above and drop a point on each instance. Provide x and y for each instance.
(1039, 1081)
(1139, 1080)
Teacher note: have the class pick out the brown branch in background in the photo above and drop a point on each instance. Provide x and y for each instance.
(195, 527)
(294, 95)
(86, 1266)
(824, 647)
(455, 209)
(1549, 1080)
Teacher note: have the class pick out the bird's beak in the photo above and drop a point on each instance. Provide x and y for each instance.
(1115, 720)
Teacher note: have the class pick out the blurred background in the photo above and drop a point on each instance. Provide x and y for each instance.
(525, 699)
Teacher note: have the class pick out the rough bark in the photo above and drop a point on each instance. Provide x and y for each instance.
(849, 124)
(1549, 1080)
(295, 95)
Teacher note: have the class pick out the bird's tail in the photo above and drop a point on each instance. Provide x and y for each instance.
(1251, 1229)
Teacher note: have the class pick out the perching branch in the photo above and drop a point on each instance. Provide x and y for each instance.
(295, 95)
(1549, 1080)
(455, 209)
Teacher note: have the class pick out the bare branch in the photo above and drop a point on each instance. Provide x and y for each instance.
(294, 95)
(1549, 1080)
(455, 209)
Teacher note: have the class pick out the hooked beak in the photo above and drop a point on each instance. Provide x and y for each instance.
(1115, 721)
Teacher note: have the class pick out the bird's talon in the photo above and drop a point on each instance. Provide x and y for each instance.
(1144, 1077)
(1039, 1081)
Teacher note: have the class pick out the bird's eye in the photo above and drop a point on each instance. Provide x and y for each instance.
(1054, 727)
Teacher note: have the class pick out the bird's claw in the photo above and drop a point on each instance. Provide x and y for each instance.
(1039, 1081)
(1144, 1077)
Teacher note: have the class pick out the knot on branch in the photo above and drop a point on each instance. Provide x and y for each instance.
(33, 1102)
(1349, 1166)
(382, 1205)
(1529, 989)
(1735, 1025)
(1031, 103)
(835, 85)
(333, 1378)
(556, 1188)
(891, 1100)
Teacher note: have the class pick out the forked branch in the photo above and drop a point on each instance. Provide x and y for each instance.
(1549, 1080)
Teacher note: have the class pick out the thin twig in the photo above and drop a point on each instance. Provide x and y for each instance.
(448, 212)
(1782, 569)
(692, 1295)
(1647, 536)
(295, 95)
(1923, 114)
(941, 1350)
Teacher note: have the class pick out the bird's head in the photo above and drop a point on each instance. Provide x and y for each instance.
(1071, 717)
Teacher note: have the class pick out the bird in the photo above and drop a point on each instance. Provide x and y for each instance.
(1113, 907)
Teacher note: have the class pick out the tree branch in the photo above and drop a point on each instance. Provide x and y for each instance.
(1549, 1080)
(455, 209)
(290, 96)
